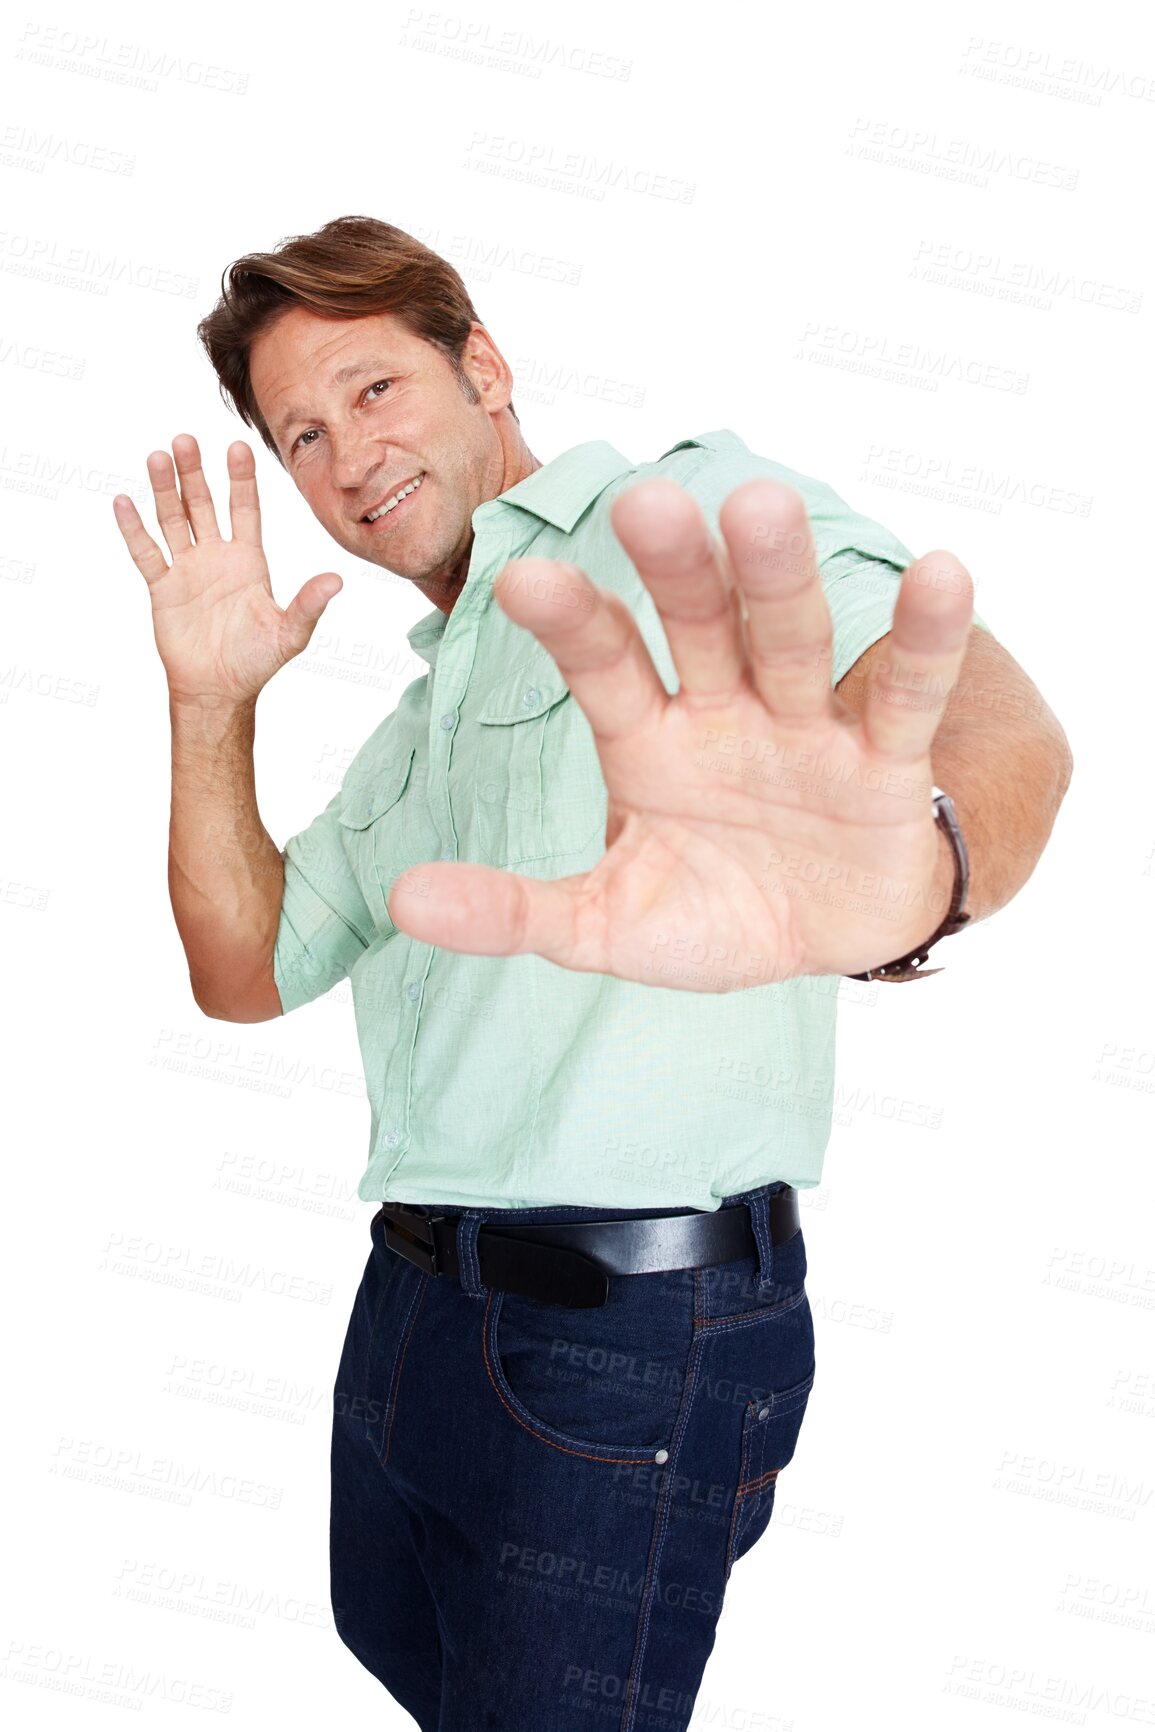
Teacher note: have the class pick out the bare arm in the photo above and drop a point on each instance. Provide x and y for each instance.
(225, 872)
(1002, 756)
(221, 637)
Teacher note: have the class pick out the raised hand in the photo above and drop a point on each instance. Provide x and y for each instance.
(219, 631)
(758, 828)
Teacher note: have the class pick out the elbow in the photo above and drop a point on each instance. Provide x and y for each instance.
(236, 1014)
(261, 1004)
(1063, 766)
(240, 1013)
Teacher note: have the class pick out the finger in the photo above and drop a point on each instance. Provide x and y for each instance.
(170, 512)
(306, 608)
(790, 634)
(687, 573)
(146, 555)
(909, 689)
(594, 639)
(198, 502)
(244, 504)
(484, 911)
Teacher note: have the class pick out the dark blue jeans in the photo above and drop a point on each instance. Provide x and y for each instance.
(536, 1509)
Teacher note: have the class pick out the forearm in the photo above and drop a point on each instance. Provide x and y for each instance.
(225, 872)
(1007, 784)
(1002, 756)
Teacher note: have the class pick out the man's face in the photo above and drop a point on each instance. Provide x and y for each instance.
(359, 409)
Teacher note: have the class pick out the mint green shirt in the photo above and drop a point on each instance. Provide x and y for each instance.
(511, 1082)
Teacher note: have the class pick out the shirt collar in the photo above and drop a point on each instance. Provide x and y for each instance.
(558, 492)
(562, 489)
(425, 636)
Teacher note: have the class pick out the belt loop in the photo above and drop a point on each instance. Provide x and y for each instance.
(758, 1203)
(469, 1269)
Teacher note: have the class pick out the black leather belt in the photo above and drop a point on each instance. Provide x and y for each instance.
(570, 1263)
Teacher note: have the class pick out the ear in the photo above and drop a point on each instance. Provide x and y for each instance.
(487, 367)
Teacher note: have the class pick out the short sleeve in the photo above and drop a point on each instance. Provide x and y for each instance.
(325, 926)
(861, 593)
(860, 561)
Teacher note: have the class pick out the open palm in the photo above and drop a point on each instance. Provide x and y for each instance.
(758, 829)
(219, 632)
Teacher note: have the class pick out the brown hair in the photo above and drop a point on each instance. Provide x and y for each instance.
(352, 267)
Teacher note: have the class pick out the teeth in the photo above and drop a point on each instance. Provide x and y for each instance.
(372, 516)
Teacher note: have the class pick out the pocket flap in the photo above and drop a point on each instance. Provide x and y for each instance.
(531, 689)
(785, 1401)
(371, 790)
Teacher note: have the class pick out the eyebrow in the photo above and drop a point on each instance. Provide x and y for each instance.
(352, 370)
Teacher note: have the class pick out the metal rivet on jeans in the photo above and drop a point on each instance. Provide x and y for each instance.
(763, 1413)
(662, 1455)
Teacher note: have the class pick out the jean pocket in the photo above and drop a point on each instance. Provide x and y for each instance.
(770, 1431)
(604, 1381)
(732, 1292)
(393, 1297)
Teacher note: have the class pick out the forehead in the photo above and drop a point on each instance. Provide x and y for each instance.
(301, 355)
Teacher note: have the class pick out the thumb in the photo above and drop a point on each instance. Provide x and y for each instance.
(306, 608)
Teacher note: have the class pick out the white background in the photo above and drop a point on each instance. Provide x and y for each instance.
(885, 215)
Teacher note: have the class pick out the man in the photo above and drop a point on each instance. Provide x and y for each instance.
(594, 881)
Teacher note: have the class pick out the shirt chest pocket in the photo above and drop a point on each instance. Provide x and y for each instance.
(373, 821)
(539, 790)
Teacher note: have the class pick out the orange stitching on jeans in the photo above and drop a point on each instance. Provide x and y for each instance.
(783, 1305)
(660, 1530)
(399, 1369)
(760, 1483)
(586, 1456)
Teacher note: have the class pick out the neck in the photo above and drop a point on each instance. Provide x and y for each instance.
(517, 461)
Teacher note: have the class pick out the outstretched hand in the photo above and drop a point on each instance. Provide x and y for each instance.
(758, 828)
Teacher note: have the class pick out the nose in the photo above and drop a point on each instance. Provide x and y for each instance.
(355, 455)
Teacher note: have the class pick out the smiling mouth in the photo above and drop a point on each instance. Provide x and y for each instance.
(394, 500)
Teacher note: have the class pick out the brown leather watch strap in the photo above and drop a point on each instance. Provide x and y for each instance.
(910, 967)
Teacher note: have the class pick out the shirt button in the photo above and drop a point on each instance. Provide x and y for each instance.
(391, 1139)
(414, 989)
(448, 719)
(447, 853)
(530, 697)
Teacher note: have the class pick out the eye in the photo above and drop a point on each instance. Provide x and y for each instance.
(307, 437)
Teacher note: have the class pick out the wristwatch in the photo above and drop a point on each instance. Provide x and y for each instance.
(909, 967)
